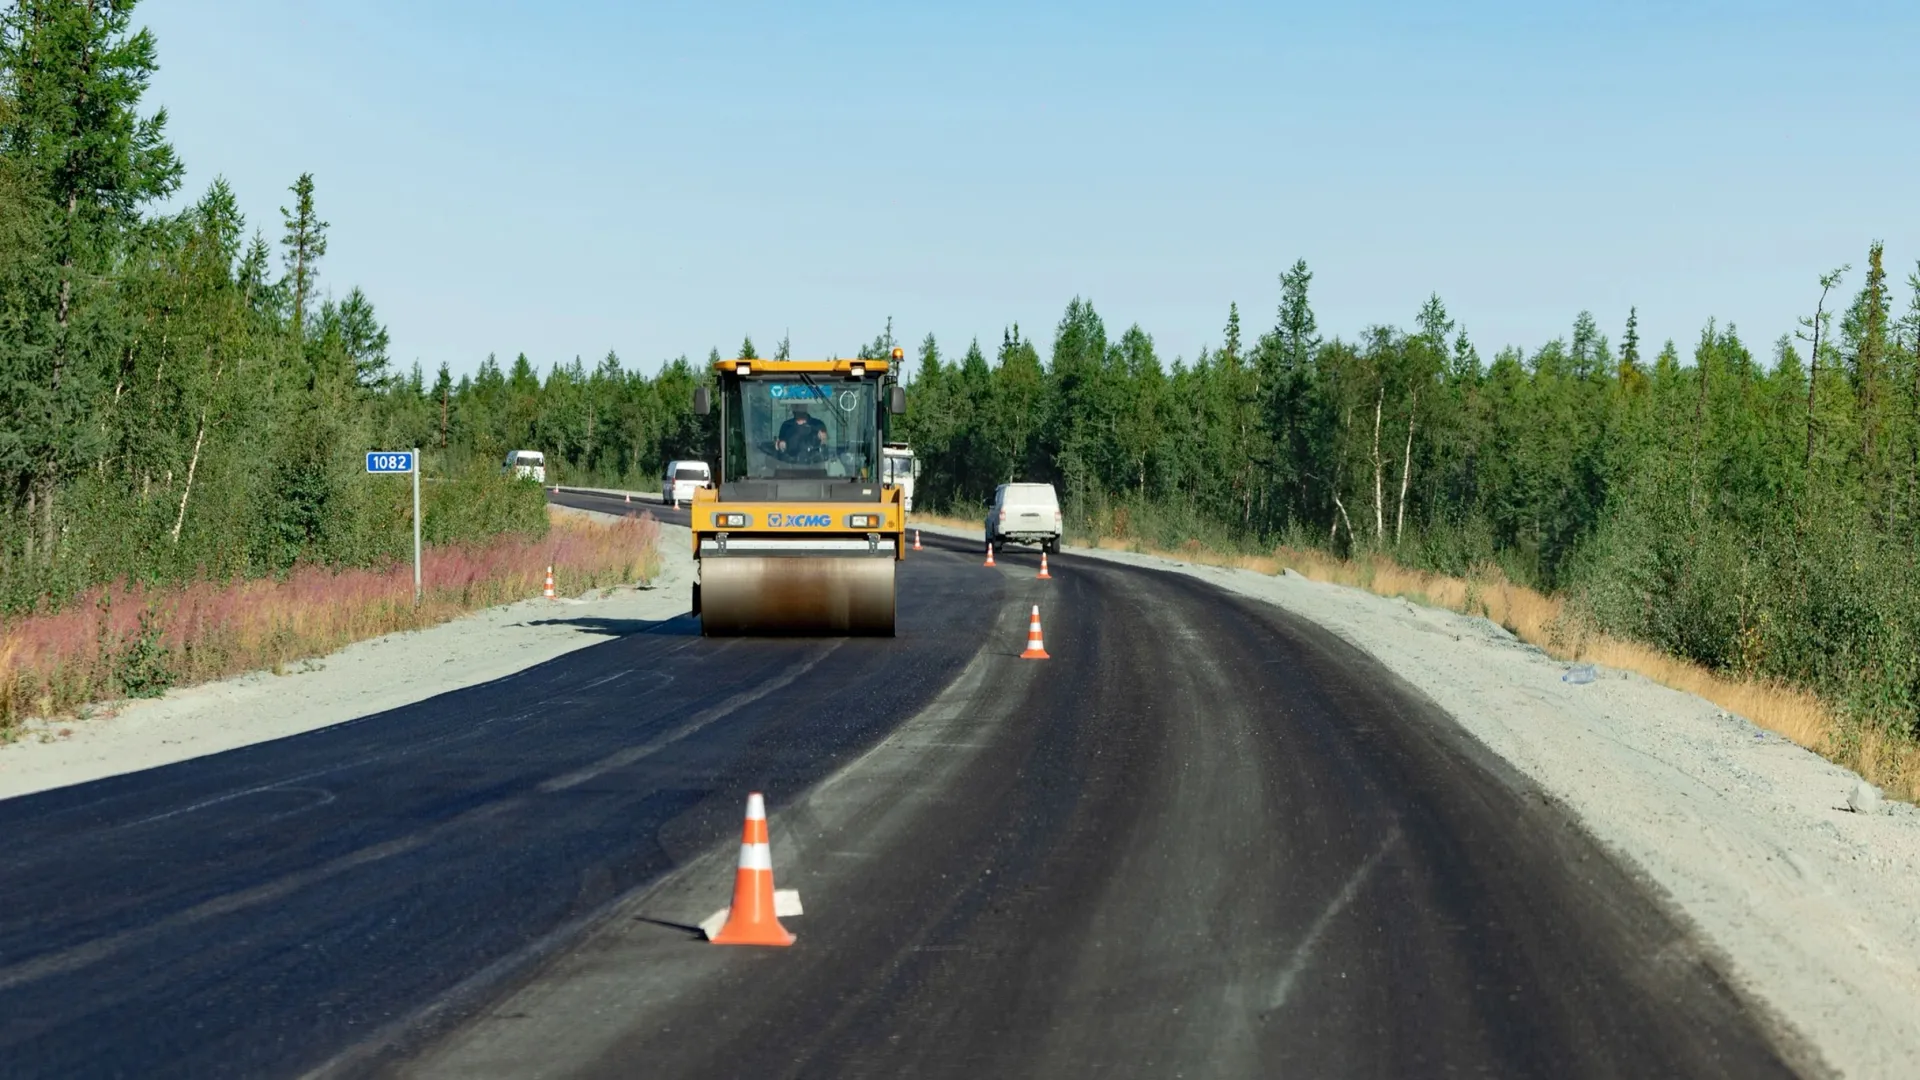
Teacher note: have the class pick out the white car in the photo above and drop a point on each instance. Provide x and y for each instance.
(527, 465)
(1025, 514)
(682, 479)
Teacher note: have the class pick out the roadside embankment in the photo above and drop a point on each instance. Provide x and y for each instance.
(480, 632)
(1555, 625)
(1752, 838)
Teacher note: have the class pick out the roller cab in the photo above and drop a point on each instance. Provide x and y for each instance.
(802, 533)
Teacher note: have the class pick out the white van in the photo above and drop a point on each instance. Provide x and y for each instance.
(1025, 514)
(526, 465)
(682, 479)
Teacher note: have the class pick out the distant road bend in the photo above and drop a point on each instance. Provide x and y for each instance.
(582, 499)
(1204, 839)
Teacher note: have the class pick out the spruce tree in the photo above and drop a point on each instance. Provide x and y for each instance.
(364, 339)
(85, 162)
(305, 240)
(1865, 330)
(1813, 331)
(1630, 373)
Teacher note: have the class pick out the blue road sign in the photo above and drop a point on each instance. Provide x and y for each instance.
(390, 461)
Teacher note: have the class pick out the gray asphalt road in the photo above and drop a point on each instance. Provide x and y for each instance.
(581, 499)
(261, 911)
(1204, 839)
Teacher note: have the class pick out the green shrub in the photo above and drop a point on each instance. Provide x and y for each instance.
(142, 666)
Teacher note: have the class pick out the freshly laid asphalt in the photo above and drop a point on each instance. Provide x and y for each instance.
(634, 506)
(1204, 838)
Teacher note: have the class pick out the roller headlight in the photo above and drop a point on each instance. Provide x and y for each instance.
(863, 521)
(729, 521)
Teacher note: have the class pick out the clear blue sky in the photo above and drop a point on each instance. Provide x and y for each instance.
(567, 178)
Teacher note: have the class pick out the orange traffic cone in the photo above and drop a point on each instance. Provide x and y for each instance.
(548, 593)
(753, 918)
(989, 554)
(626, 498)
(1036, 649)
(916, 539)
(1043, 575)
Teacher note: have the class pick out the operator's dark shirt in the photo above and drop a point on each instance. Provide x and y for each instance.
(797, 429)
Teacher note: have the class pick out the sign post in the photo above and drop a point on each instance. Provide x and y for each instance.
(416, 526)
(403, 461)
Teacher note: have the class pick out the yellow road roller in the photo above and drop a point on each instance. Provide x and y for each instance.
(801, 534)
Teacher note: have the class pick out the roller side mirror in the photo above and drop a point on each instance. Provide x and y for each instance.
(702, 400)
(897, 401)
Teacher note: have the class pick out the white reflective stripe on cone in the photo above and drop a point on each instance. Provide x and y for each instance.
(756, 857)
(756, 807)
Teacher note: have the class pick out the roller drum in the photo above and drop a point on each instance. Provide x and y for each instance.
(745, 594)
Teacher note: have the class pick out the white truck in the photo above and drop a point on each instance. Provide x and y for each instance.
(1025, 514)
(900, 468)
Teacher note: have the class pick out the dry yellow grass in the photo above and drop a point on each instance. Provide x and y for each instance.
(941, 520)
(1790, 711)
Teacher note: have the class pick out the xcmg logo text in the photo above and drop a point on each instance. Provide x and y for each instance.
(799, 521)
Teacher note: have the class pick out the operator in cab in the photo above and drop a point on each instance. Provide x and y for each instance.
(801, 436)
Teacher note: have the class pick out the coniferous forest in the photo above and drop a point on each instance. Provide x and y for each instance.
(1756, 513)
(187, 395)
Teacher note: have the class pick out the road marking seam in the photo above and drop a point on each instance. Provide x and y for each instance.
(79, 956)
(605, 679)
(462, 733)
(693, 724)
(1303, 952)
(956, 702)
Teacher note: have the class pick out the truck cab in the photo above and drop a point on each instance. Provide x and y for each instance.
(900, 468)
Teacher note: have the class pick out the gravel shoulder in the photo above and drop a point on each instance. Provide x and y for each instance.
(1747, 835)
(365, 678)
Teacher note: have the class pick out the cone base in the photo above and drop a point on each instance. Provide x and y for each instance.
(768, 933)
(1035, 654)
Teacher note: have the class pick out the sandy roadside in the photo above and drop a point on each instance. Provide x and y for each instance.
(1810, 906)
(364, 678)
